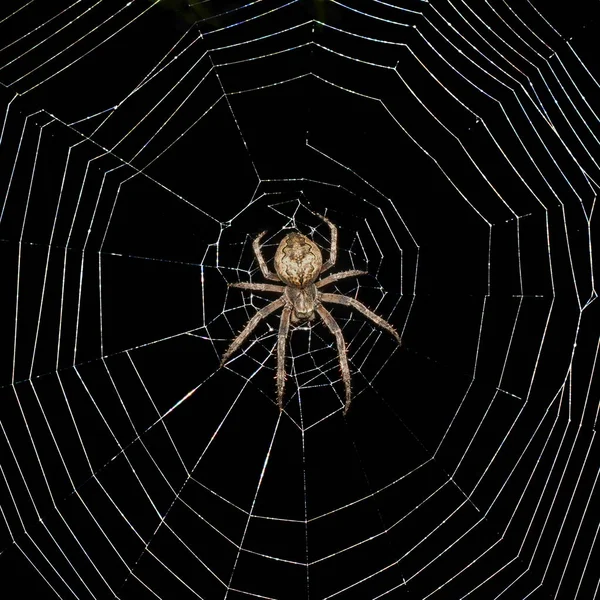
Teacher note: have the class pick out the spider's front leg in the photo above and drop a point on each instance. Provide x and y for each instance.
(341, 348)
(360, 307)
(284, 328)
(252, 323)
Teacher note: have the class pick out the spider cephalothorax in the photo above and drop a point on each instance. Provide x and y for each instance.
(298, 264)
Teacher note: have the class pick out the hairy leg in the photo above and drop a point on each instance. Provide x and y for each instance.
(332, 244)
(341, 348)
(252, 323)
(261, 261)
(337, 276)
(258, 287)
(284, 327)
(360, 307)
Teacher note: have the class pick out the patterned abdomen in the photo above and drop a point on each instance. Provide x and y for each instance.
(298, 260)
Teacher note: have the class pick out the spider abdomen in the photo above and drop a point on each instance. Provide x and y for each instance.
(298, 260)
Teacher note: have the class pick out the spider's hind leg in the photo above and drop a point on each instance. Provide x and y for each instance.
(258, 287)
(337, 276)
(333, 244)
(261, 259)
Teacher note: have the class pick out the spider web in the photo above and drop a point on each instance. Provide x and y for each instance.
(144, 146)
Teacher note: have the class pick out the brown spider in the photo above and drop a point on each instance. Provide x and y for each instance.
(298, 263)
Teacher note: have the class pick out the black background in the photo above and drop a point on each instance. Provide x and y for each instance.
(495, 464)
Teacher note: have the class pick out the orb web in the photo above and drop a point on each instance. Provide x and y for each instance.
(144, 147)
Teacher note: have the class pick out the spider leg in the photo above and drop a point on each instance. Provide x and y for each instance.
(337, 276)
(261, 261)
(258, 287)
(284, 328)
(332, 245)
(360, 307)
(252, 323)
(341, 348)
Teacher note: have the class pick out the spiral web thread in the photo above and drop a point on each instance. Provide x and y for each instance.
(130, 460)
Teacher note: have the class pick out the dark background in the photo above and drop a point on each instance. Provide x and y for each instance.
(459, 166)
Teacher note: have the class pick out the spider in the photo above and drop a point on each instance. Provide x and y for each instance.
(298, 264)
